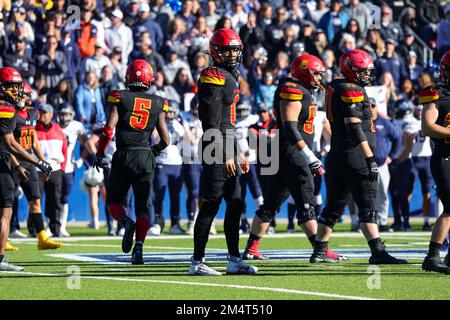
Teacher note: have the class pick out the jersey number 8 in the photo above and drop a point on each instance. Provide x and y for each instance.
(139, 117)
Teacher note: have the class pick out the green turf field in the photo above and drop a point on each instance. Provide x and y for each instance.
(91, 266)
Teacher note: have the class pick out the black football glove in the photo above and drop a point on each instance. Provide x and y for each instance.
(373, 169)
(317, 168)
(100, 163)
(156, 149)
(45, 167)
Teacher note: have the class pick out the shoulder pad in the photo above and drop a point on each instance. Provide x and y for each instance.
(428, 95)
(352, 93)
(7, 112)
(114, 97)
(212, 75)
(291, 91)
(166, 105)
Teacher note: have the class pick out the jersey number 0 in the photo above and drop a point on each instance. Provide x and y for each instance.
(141, 113)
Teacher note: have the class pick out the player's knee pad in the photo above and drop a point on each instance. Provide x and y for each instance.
(307, 214)
(370, 216)
(264, 214)
(329, 217)
(117, 211)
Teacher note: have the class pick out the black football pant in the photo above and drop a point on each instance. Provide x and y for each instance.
(294, 178)
(53, 206)
(215, 186)
(347, 176)
(440, 169)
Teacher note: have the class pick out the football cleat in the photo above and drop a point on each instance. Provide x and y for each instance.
(251, 252)
(426, 227)
(127, 240)
(176, 229)
(245, 226)
(6, 266)
(270, 230)
(48, 244)
(397, 227)
(406, 226)
(10, 247)
(237, 266)
(435, 264)
(254, 256)
(64, 234)
(154, 230)
(137, 257)
(446, 261)
(383, 257)
(213, 230)
(190, 228)
(200, 268)
(333, 255)
(17, 234)
(318, 257)
(290, 227)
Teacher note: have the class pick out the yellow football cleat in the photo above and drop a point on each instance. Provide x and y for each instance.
(48, 244)
(10, 247)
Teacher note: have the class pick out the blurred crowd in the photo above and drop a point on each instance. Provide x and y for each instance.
(73, 53)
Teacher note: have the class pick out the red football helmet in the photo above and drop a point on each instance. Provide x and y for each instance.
(305, 68)
(139, 75)
(357, 66)
(11, 85)
(221, 44)
(27, 92)
(444, 70)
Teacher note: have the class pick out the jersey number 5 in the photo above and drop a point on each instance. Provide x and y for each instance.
(141, 112)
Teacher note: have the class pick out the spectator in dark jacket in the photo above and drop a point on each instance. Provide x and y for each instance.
(389, 28)
(253, 36)
(274, 33)
(146, 23)
(334, 21)
(429, 14)
(72, 55)
(63, 93)
(410, 44)
(20, 61)
(145, 51)
(391, 63)
(53, 63)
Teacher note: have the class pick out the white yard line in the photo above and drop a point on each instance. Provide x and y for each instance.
(204, 284)
(397, 235)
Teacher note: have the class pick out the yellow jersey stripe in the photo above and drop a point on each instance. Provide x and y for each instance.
(290, 96)
(212, 80)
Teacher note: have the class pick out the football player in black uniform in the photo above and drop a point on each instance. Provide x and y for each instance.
(134, 114)
(351, 167)
(27, 176)
(436, 125)
(218, 93)
(295, 110)
(11, 87)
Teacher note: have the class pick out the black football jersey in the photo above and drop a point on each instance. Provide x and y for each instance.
(218, 94)
(440, 95)
(344, 99)
(25, 127)
(7, 123)
(291, 90)
(138, 116)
